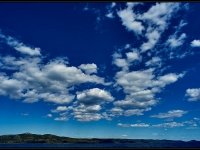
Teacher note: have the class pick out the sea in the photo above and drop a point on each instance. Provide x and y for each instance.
(94, 145)
(72, 145)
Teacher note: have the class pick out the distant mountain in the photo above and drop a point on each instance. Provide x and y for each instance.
(27, 138)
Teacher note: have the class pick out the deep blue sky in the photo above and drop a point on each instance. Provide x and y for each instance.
(160, 83)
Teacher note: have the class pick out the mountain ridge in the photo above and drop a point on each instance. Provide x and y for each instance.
(30, 138)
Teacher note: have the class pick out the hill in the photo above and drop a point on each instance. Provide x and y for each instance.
(28, 138)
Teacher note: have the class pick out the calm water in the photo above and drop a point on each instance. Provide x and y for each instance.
(102, 145)
(69, 145)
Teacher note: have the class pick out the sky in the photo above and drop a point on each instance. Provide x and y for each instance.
(104, 69)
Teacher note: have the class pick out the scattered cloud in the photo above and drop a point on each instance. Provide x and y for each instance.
(187, 124)
(110, 15)
(153, 37)
(170, 114)
(20, 47)
(90, 104)
(33, 80)
(60, 109)
(138, 125)
(49, 115)
(94, 96)
(155, 61)
(141, 87)
(193, 94)
(61, 118)
(88, 68)
(195, 43)
(129, 19)
(87, 113)
(175, 41)
(169, 125)
(139, 76)
(132, 56)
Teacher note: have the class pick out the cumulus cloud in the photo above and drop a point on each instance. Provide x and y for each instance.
(141, 87)
(88, 68)
(33, 80)
(60, 109)
(153, 37)
(193, 94)
(158, 16)
(89, 104)
(129, 19)
(175, 41)
(20, 47)
(87, 113)
(57, 81)
(132, 56)
(54, 81)
(94, 96)
(11, 87)
(160, 12)
(170, 114)
(195, 43)
(155, 61)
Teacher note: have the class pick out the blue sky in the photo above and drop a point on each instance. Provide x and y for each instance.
(106, 70)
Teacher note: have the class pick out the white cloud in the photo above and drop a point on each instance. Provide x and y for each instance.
(168, 79)
(60, 109)
(131, 112)
(128, 18)
(21, 47)
(89, 104)
(11, 87)
(153, 37)
(140, 125)
(33, 80)
(116, 111)
(88, 68)
(110, 15)
(88, 117)
(161, 125)
(141, 88)
(61, 118)
(49, 115)
(87, 113)
(155, 61)
(157, 18)
(175, 42)
(170, 114)
(94, 96)
(193, 94)
(137, 125)
(113, 4)
(132, 56)
(120, 62)
(195, 43)
(160, 12)
(169, 125)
